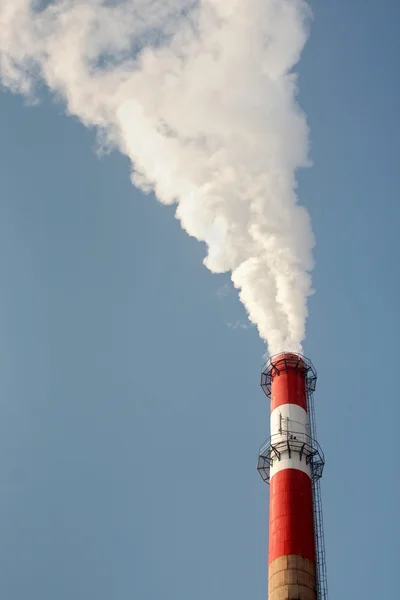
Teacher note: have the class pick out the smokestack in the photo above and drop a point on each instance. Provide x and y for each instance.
(291, 461)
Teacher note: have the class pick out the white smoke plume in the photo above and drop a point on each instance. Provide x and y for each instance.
(201, 96)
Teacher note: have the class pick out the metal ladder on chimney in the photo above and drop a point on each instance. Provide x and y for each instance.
(322, 581)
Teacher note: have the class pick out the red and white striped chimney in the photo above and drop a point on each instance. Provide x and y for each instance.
(290, 460)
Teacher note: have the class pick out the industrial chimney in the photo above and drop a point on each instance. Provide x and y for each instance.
(291, 461)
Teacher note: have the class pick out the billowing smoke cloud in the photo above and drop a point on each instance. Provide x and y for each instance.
(200, 94)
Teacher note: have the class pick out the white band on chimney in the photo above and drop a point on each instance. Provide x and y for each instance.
(289, 422)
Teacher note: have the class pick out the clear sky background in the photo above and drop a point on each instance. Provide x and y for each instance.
(130, 412)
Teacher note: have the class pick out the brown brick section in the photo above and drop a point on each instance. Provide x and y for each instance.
(292, 578)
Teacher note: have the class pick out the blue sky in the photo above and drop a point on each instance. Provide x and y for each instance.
(130, 410)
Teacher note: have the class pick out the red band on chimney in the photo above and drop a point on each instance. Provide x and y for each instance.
(288, 383)
(291, 522)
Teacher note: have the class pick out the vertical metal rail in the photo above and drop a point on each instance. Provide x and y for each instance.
(322, 581)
